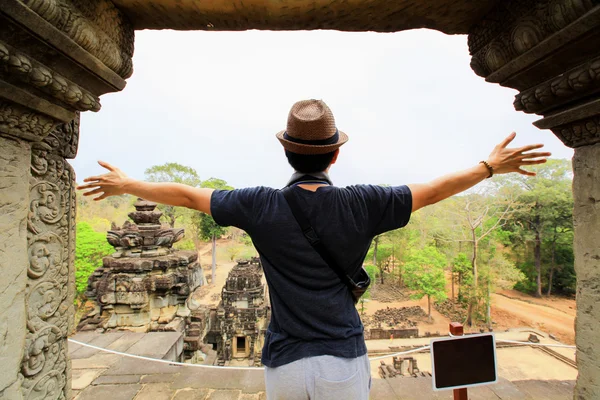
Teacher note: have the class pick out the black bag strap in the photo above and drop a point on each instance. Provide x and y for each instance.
(313, 238)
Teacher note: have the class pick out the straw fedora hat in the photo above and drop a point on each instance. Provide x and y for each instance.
(311, 129)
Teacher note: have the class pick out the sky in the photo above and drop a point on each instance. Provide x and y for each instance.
(409, 102)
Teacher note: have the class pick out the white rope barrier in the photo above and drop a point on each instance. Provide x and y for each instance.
(416, 350)
(566, 346)
(91, 346)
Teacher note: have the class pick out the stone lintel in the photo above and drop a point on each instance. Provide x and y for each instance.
(548, 50)
(569, 115)
(448, 16)
(25, 99)
(548, 47)
(84, 66)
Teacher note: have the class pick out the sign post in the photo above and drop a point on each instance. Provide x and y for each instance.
(456, 329)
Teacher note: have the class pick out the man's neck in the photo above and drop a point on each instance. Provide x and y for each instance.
(313, 180)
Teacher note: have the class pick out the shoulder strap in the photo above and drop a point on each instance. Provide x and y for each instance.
(313, 238)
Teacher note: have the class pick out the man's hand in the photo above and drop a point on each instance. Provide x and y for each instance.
(112, 183)
(504, 160)
(115, 183)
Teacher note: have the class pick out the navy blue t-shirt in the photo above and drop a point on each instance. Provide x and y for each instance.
(312, 311)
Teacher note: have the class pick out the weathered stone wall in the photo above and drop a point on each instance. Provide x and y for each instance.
(586, 214)
(56, 59)
(15, 157)
(449, 16)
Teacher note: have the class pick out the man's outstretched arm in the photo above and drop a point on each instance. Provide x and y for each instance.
(502, 160)
(115, 183)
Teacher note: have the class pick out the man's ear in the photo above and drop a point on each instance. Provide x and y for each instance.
(335, 157)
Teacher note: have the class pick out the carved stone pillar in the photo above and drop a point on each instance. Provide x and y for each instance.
(56, 58)
(548, 50)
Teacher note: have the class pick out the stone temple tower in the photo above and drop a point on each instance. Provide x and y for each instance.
(144, 286)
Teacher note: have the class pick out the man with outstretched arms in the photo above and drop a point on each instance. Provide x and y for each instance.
(314, 346)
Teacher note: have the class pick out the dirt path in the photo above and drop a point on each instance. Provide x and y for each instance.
(553, 316)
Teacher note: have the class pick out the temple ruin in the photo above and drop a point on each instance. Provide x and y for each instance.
(58, 57)
(147, 286)
(144, 286)
(239, 323)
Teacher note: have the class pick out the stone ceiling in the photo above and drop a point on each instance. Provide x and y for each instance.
(448, 16)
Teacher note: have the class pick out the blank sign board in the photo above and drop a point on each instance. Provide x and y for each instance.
(463, 361)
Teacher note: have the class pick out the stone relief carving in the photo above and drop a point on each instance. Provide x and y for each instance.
(50, 238)
(579, 80)
(41, 77)
(19, 121)
(579, 133)
(517, 26)
(113, 49)
(64, 139)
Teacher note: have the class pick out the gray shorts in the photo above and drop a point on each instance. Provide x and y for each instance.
(320, 378)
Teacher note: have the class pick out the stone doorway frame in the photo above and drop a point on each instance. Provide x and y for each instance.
(58, 57)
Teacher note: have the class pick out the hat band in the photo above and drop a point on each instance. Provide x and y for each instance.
(330, 140)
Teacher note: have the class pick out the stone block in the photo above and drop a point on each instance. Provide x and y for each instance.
(123, 309)
(112, 392)
(97, 361)
(191, 394)
(183, 311)
(177, 325)
(116, 379)
(132, 366)
(82, 378)
(167, 314)
(158, 378)
(156, 391)
(15, 161)
(133, 320)
(154, 314)
(160, 302)
(225, 395)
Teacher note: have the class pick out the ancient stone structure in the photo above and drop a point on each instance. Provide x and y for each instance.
(240, 321)
(548, 50)
(57, 57)
(145, 285)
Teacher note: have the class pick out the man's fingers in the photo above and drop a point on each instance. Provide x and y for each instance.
(93, 178)
(508, 139)
(535, 155)
(106, 165)
(93, 192)
(88, 186)
(523, 172)
(534, 162)
(529, 147)
(101, 197)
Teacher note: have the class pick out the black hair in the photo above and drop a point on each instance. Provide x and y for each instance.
(307, 163)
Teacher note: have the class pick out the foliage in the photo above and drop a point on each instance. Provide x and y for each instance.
(382, 258)
(91, 247)
(177, 173)
(424, 273)
(371, 271)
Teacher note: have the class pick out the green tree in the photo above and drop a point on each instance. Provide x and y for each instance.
(461, 269)
(424, 273)
(207, 227)
(371, 271)
(173, 172)
(382, 255)
(482, 214)
(91, 247)
(549, 215)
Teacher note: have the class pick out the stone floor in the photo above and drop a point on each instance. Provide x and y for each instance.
(98, 375)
